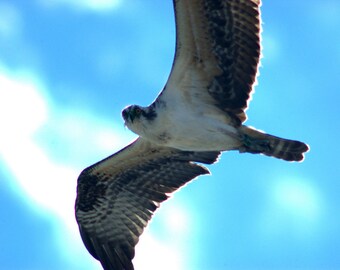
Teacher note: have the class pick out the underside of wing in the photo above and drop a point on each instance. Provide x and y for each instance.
(117, 196)
(217, 51)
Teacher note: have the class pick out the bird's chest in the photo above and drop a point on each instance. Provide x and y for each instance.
(183, 129)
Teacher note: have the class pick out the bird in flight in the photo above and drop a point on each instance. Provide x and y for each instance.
(199, 113)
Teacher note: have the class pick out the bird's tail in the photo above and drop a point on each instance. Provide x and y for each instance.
(256, 142)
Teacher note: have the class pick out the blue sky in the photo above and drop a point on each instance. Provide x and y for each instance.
(67, 68)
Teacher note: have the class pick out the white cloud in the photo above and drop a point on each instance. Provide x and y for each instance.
(172, 221)
(91, 5)
(10, 21)
(110, 62)
(48, 186)
(299, 198)
(326, 12)
(271, 47)
(23, 110)
(177, 220)
(294, 205)
(166, 258)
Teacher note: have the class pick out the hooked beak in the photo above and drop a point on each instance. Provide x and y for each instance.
(127, 116)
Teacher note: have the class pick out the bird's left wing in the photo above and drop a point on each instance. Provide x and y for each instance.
(217, 53)
(117, 196)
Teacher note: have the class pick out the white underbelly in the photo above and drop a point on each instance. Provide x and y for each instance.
(205, 139)
(197, 133)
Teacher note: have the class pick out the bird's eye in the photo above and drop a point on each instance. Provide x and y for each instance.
(138, 111)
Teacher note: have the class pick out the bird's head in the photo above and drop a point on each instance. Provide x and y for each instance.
(132, 113)
(138, 118)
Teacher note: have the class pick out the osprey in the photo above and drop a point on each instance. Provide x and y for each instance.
(199, 113)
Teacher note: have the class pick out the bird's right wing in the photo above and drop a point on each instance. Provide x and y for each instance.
(117, 196)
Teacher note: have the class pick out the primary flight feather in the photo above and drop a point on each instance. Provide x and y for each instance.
(198, 115)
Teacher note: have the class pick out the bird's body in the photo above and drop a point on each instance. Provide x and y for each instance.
(199, 114)
(188, 127)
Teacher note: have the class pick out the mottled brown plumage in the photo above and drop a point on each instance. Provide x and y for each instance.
(198, 114)
(222, 38)
(117, 196)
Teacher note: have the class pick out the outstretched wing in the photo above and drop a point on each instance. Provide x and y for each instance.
(117, 196)
(217, 52)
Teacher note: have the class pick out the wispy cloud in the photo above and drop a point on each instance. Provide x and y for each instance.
(48, 184)
(10, 21)
(39, 182)
(90, 5)
(326, 12)
(295, 204)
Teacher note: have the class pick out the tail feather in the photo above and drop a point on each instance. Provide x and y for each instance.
(257, 142)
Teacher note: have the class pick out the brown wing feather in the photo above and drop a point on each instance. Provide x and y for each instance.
(218, 47)
(117, 196)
